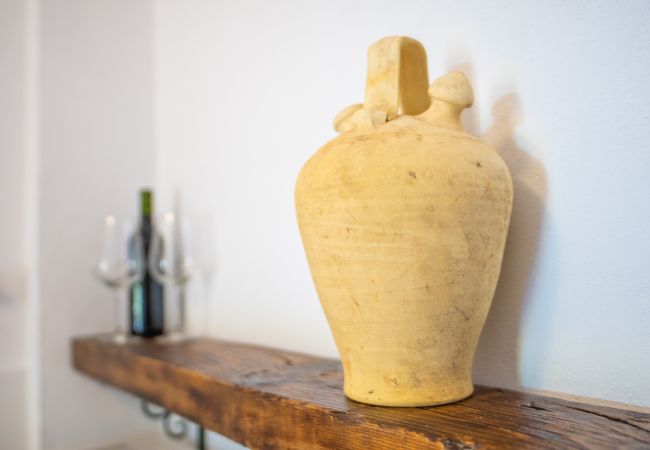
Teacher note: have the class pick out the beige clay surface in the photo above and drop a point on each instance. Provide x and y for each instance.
(404, 219)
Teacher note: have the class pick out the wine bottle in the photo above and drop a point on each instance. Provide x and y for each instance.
(147, 314)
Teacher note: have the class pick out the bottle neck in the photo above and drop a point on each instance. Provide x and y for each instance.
(146, 207)
(145, 222)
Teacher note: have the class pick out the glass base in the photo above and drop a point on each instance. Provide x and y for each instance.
(173, 336)
(119, 338)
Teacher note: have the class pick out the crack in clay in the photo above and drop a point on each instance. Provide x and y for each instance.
(462, 313)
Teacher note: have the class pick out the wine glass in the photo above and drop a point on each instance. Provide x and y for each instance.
(119, 265)
(171, 260)
(203, 227)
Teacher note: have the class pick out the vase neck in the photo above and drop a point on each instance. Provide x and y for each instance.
(444, 114)
(450, 95)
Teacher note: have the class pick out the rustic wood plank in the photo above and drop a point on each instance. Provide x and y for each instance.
(273, 399)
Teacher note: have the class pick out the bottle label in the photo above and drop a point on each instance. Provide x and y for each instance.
(137, 308)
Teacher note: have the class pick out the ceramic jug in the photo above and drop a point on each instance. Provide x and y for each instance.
(404, 218)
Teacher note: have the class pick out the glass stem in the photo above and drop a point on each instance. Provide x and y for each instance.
(120, 314)
(180, 324)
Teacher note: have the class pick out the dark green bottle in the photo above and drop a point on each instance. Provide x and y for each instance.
(147, 314)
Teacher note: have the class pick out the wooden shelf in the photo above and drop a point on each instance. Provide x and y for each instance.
(272, 399)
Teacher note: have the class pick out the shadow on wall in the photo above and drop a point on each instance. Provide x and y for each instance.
(498, 356)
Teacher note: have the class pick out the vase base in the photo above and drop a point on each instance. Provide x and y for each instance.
(410, 401)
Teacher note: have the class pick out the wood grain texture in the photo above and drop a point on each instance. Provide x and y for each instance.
(273, 399)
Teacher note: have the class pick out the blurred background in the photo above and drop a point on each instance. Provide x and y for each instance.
(219, 103)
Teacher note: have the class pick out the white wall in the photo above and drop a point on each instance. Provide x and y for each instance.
(13, 261)
(246, 92)
(97, 150)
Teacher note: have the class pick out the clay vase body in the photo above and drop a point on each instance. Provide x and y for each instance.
(404, 220)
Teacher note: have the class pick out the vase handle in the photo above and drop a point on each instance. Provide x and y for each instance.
(398, 78)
